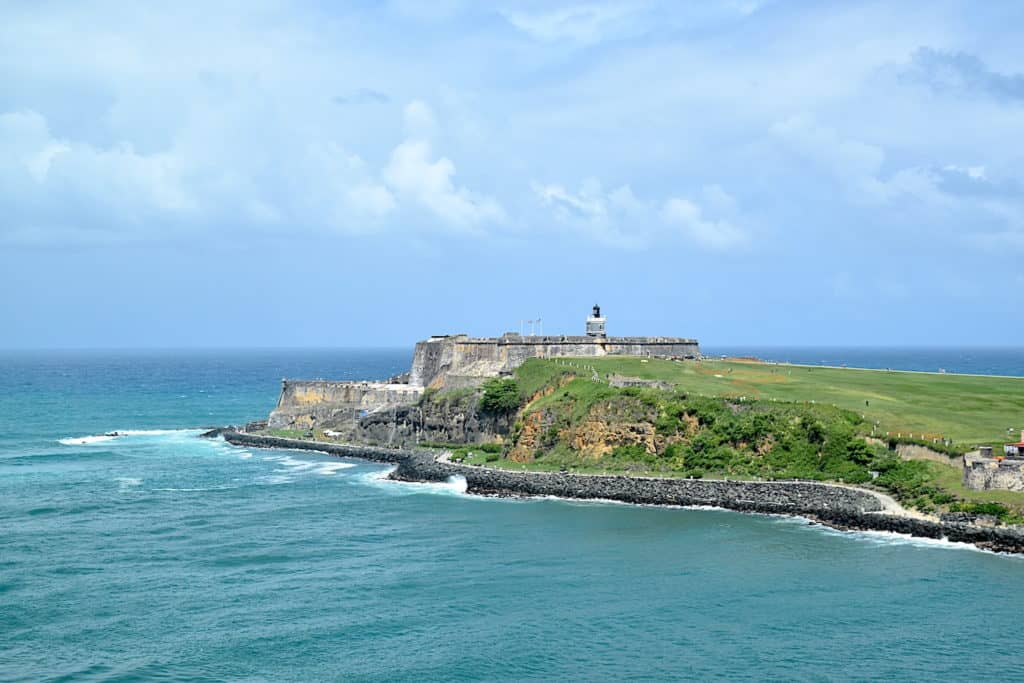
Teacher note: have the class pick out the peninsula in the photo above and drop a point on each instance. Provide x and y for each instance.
(648, 420)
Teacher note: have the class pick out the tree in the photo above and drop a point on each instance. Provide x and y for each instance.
(501, 396)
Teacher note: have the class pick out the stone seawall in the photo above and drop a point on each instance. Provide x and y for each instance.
(838, 506)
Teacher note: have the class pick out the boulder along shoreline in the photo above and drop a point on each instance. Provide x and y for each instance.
(840, 507)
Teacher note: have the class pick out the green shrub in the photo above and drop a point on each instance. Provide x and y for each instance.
(501, 396)
(993, 509)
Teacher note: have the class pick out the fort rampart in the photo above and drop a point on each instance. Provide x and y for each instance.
(459, 360)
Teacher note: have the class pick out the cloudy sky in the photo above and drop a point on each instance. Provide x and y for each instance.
(324, 174)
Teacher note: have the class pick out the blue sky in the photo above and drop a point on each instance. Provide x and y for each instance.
(317, 174)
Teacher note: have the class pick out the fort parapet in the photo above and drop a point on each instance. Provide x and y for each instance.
(459, 360)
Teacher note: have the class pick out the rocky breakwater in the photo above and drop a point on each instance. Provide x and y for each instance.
(372, 453)
(841, 507)
(802, 498)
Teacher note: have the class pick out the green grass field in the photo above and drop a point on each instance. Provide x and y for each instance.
(966, 408)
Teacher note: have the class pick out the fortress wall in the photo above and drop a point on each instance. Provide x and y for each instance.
(319, 403)
(461, 356)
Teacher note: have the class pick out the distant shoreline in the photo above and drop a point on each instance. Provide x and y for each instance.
(754, 360)
(841, 507)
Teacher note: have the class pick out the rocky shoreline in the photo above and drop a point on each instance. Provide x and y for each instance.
(840, 507)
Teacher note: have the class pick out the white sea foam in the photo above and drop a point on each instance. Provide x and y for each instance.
(118, 433)
(293, 465)
(890, 538)
(152, 432)
(195, 490)
(332, 467)
(127, 482)
(85, 440)
(277, 479)
(455, 485)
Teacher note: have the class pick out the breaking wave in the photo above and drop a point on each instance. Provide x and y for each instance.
(454, 486)
(85, 440)
(118, 433)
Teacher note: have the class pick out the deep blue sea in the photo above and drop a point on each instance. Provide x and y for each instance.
(161, 556)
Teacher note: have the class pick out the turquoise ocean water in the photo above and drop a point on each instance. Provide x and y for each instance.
(160, 556)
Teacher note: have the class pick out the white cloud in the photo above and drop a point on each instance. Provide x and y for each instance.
(604, 217)
(584, 23)
(852, 163)
(619, 218)
(372, 199)
(419, 120)
(55, 184)
(973, 172)
(689, 217)
(414, 176)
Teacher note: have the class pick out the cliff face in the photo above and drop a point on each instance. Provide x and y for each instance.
(439, 421)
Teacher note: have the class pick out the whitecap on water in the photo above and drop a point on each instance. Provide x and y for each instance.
(332, 467)
(85, 440)
(118, 433)
(454, 486)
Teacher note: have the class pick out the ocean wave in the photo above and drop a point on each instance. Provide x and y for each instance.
(85, 440)
(891, 538)
(455, 485)
(292, 465)
(118, 433)
(332, 467)
(198, 489)
(152, 432)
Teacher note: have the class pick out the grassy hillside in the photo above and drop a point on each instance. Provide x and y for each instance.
(748, 420)
(968, 409)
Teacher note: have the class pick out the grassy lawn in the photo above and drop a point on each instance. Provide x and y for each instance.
(966, 408)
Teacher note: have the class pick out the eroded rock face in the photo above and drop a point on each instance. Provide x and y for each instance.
(623, 421)
(436, 421)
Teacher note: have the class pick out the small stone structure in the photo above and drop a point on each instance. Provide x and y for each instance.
(983, 471)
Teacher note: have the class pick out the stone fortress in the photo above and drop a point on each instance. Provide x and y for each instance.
(456, 361)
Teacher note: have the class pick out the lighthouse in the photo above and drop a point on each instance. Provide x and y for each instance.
(595, 323)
